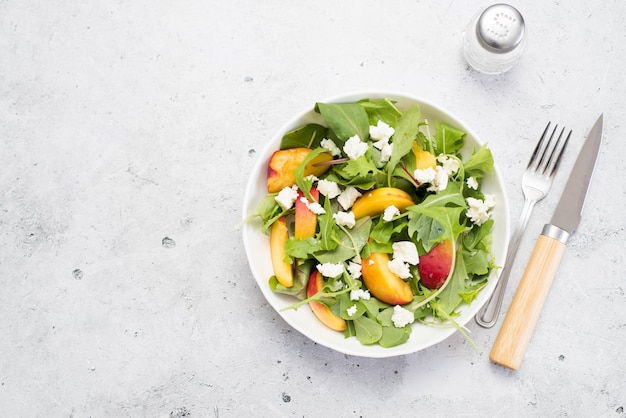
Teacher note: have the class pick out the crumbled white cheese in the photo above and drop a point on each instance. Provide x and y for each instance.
(437, 178)
(330, 269)
(479, 211)
(328, 188)
(330, 146)
(390, 212)
(402, 317)
(286, 197)
(354, 269)
(450, 165)
(344, 219)
(472, 183)
(426, 175)
(338, 285)
(351, 310)
(360, 294)
(405, 251)
(347, 198)
(385, 152)
(400, 268)
(381, 131)
(314, 207)
(355, 148)
(312, 178)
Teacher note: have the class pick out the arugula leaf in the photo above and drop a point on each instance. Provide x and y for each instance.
(448, 139)
(450, 297)
(442, 211)
(479, 163)
(368, 331)
(350, 243)
(393, 336)
(361, 167)
(303, 184)
(381, 109)
(476, 262)
(308, 136)
(406, 132)
(382, 231)
(302, 248)
(477, 237)
(345, 119)
(327, 234)
(471, 292)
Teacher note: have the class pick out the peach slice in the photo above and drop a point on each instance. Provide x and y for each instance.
(305, 220)
(375, 202)
(423, 159)
(323, 312)
(382, 282)
(283, 163)
(434, 266)
(279, 234)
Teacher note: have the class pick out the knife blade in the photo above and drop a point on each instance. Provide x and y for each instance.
(520, 321)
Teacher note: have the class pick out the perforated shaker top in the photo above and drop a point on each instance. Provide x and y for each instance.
(500, 28)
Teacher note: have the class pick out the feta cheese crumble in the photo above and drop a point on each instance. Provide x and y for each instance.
(347, 198)
(330, 146)
(330, 270)
(360, 294)
(402, 317)
(405, 251)
(355, 148)
(479, 211)
(426, 175)
(351, 310)
(328, 188)
(472, 183)
(314, 207)
(449, 164)
(381, 131)
(344, 219)
(437, 178)
(390, 212)
(286, 197)
(354, 269)
(400, 268)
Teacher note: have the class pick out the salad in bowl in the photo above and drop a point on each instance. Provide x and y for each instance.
(376, 224)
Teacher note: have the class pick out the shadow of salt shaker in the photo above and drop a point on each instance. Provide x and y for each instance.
(494, 39)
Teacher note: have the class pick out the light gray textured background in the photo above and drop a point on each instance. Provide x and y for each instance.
(128, 129)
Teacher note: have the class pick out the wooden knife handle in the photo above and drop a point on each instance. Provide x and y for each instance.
(519, 323)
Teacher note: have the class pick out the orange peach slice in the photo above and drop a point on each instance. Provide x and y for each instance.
(279, 234)
(382, 282)
(434, 266)
(323, 312)
(283, 163)
(305, 220)
(375, 202)
(423, 159)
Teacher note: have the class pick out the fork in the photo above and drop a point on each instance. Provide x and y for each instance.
(536, 183)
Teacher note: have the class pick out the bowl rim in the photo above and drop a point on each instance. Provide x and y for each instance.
(348, 345)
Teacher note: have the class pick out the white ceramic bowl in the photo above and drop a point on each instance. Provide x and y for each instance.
(258, 253)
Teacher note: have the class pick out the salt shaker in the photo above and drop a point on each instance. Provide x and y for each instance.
(495, 39)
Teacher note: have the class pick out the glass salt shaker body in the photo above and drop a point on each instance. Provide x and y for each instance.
(495, 39)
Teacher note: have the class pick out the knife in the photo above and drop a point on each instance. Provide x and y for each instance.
(519, 323)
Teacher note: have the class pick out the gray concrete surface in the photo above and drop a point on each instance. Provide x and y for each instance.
(128, 130)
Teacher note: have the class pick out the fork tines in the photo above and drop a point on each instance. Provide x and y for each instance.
(553, 151)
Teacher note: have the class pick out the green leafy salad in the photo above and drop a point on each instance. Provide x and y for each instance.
(377, 221)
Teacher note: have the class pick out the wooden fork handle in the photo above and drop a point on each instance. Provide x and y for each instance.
(519, 323)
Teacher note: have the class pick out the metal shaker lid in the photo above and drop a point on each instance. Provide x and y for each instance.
(500, 28)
